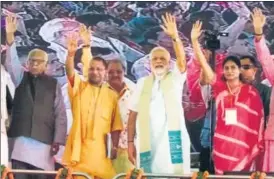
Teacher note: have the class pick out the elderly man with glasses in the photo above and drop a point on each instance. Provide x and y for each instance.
(39, 121)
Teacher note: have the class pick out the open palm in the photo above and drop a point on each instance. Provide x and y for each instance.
(72, 43)
(258, 18)
(196, 30)
(169, 26)
(85, 34)
(11, 24)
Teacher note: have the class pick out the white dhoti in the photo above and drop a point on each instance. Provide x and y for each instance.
(5, 82)
(4, 145)
(161, 159)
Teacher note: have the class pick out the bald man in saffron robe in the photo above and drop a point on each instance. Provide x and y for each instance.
(95, 114)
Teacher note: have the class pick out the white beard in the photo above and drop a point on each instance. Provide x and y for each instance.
(159, 72)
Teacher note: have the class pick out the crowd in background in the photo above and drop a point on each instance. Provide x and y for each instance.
(128, 31)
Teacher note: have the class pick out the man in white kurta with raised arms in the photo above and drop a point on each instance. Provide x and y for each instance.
(163, 144)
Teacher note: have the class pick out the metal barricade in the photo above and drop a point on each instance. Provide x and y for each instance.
(43, 172)
(152, 175)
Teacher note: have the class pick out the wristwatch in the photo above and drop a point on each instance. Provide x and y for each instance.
(86, 46)
(176, 39)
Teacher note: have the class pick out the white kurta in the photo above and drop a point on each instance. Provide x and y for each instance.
(161, 159)
(5, 81)
(123, 103)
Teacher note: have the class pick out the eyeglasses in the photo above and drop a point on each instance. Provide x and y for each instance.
(247, 67)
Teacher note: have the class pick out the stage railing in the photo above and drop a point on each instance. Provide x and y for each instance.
(42, 172)
(152, 175)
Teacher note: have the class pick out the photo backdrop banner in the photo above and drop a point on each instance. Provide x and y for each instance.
(128, 31)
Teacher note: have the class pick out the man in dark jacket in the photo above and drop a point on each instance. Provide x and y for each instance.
(249, 70)
(39, 121)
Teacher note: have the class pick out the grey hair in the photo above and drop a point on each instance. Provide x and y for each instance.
(121, 62)
(159, 48)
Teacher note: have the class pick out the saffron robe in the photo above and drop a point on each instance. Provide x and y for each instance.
(95, 113)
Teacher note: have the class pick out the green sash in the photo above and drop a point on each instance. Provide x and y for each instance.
(173, 118)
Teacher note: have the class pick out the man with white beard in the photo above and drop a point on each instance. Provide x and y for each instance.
(163, 144)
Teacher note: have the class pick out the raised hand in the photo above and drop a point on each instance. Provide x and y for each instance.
(196, 30)
(11, 24)
(258, 20)
(170, 26)
(85, 34)
(72, 43)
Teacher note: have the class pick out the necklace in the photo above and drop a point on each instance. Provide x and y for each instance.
(237, 89)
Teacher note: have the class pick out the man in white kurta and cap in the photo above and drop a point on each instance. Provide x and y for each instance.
(163, 144)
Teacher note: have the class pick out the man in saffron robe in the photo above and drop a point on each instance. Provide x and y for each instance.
(267, 62)
(163, 144)
(95, 113)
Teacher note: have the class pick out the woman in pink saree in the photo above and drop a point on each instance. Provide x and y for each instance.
(239, 119)
(267, 62)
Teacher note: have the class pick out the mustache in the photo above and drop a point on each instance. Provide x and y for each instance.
(114, 78)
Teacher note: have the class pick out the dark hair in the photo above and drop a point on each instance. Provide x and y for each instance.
(252, 59)
(100, 59)
(117, 61)
(235, 60)
(96, 51)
